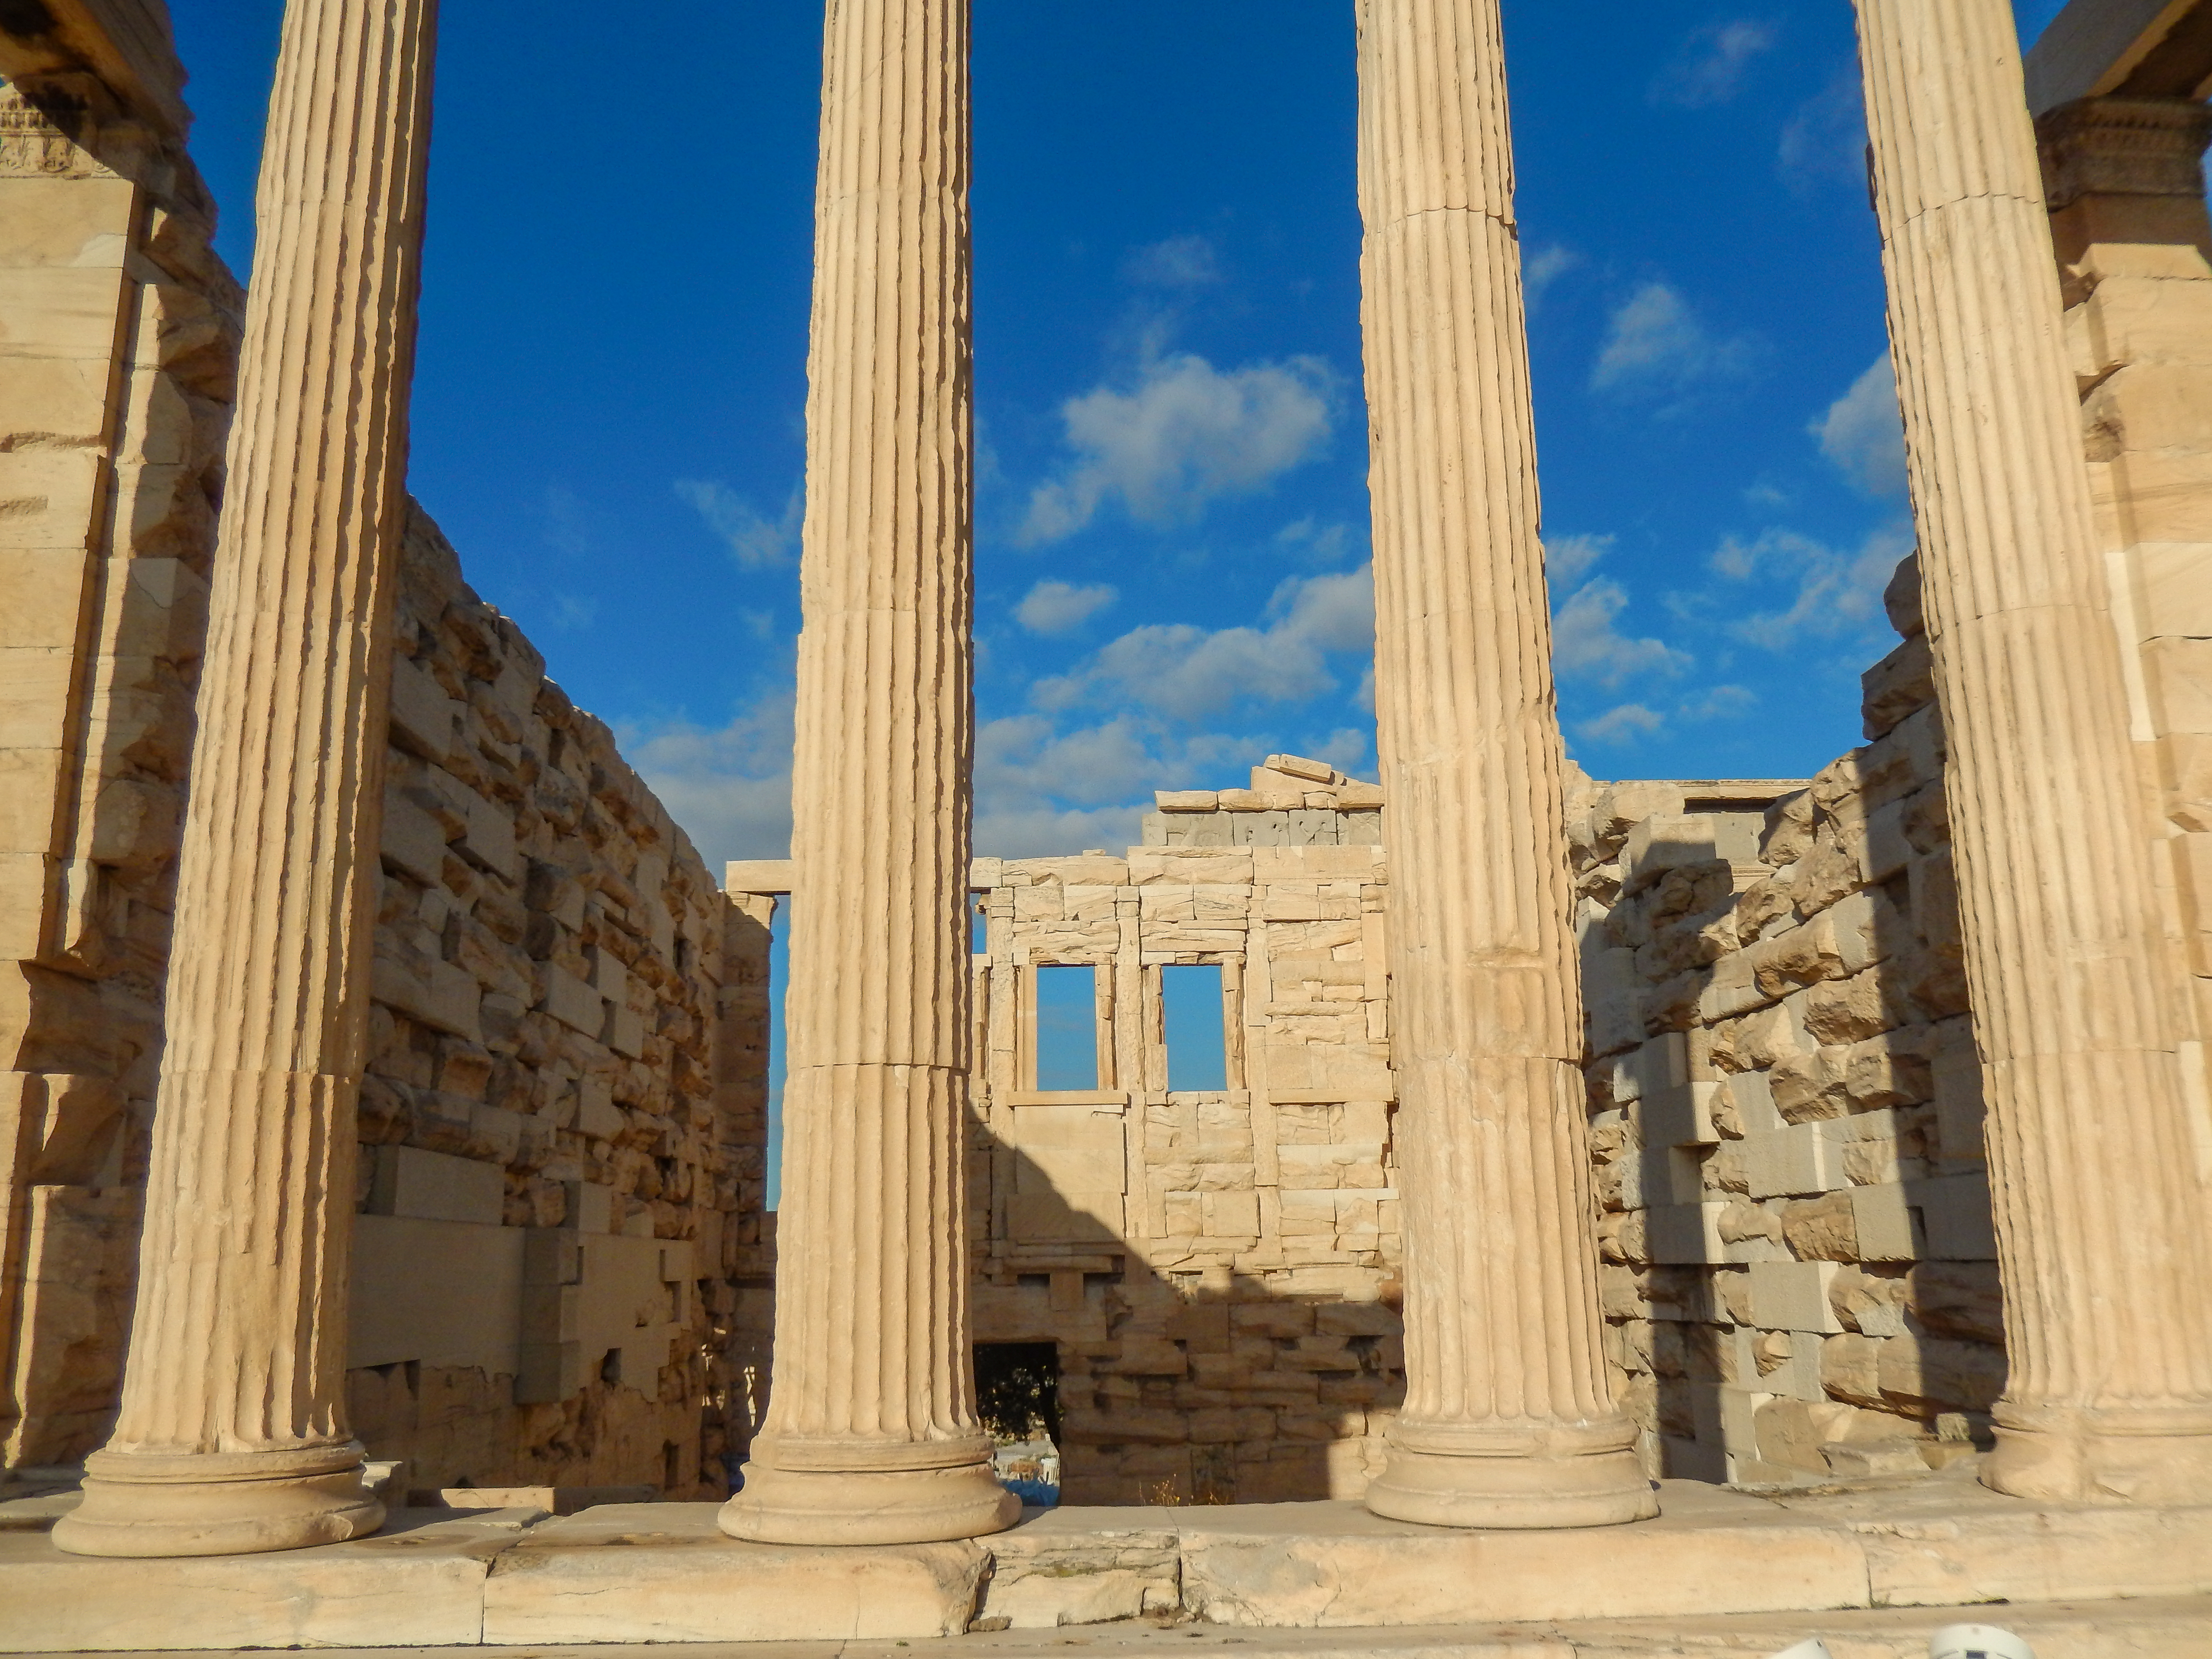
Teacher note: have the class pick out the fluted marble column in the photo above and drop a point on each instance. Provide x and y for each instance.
(1507, 1420)
(232, 1437)
(2100, 1218)
(872, 1436)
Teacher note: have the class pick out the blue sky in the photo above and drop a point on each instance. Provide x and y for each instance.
(1171, 563)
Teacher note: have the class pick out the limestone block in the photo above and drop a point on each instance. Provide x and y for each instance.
(2177, 674)
(435, 994)
(1803, 1158)
(597, 1305)
(1955, 1216)
(1899, 684)
(664, 1573)
(419, 1583)
(1958, 1299)
(2176, 590)
(1313, 1565)
(1984, 1549)
(1086, 1566)
(571, 1000)
(410, 1182)
(437, 1292)
(1793, 1296)
(424, 720)
(1685, 1234)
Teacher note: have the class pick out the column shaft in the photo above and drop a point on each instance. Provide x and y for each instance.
(232, 1436)
(1508, 1419)
(2099, 1214)
(872, 1435)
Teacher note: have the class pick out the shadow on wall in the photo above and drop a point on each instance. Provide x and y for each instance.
(1799, 1277)
(1212, 1386)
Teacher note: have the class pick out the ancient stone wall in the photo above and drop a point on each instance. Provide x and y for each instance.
(1219, 1269)
(540, 1120)
(118, 332)
(564, 1114)
(1800, 1278)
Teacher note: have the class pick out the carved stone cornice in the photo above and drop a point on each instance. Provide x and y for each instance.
(2122, 147)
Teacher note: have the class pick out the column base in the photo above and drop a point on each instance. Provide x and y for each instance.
(2076, 1454)
(152, 1504)
(878, 1505)
(1515, 1477)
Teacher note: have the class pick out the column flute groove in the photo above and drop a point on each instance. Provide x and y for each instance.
(232, 1436)
(1509, 1420)
(2098, 1211)
(872, 1436)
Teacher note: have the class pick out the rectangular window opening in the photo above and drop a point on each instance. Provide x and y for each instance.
(1067, 1028)
(1018, 1397)
(979, 927)
(1191, 1016)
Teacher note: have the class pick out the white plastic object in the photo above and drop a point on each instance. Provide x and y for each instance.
(1976, 1642)
(1811, 1647)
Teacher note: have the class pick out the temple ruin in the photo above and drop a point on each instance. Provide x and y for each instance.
(1669, 1174)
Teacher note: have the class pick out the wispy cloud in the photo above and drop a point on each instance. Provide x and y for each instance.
(1863, 433)
(1190, 674)
(729, 786)
(1057, 607)
(1313, 543)
(1568, 559)
(1708, 69)
(1179, 262)
(1543, 266)
(1586, 645)
(1824, 143)
(1183, 435)
(1624, 724)
(1820, 590)
(755, 540)
(1656, 347)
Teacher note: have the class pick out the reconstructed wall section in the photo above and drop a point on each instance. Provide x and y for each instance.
(1219, 1269)
(564, 1113)
(1800, 1279)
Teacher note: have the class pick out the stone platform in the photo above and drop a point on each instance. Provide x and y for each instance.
(661, 1572)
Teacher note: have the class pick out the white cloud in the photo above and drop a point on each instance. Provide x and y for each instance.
(1541, 267)
(1568, 559)
(1185, 434)
(1179, 262)
(1825, 141)
(1828, 590)
(1708, 69)
(1185, 673)
(729, 788)
(1056, 607)
(1719, 702)
(1656, 346)
(755, 540)
(1587, 646)
(1313, 543)
(1041, 791)
(1623, 724)
(1863, 434)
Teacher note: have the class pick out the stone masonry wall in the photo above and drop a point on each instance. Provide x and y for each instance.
(1799, 1280)
(565, 1108)
(118, 331)
(541, 1084)
(1219, 1269)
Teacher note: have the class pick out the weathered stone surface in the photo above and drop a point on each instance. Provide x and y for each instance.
(419, 1583)
(2110, 1396)
(665, 1572)
(1318, 1565)
(1081, 1566)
